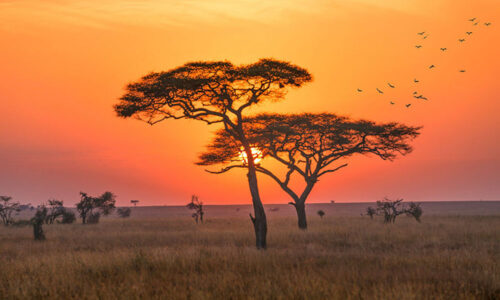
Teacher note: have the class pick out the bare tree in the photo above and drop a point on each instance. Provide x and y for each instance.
(215, 92)
(7, 208)
(308, 146)
(391, 209)
(134, 202)
(197, 206)
(104, 203)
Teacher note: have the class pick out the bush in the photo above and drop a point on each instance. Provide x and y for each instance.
(93, 218)
(68, 217)
(124, 212)
(321, 213)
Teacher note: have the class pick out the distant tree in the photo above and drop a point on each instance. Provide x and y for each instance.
(309, 146)
(104, 204)
(321, 213)
(197, 206)
(55, 210)
(134, 202)
(393, 208)
(68, 217)
(124, 212)
(414, 209)
(390, 208)
(37, 221)
(7, 208)
(215, 92)
(370, 211)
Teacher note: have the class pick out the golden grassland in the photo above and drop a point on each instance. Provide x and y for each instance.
(444, 257)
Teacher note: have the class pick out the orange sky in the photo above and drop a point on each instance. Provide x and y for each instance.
(65, 63)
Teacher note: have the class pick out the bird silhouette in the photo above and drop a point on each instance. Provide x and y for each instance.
(414, 93)
(379, 91)
(392, 103)
(432, 66)
(461, 40)
(415, 80)
(443, 49)
(420, 97)
(461, 71)
(475, 23)
(425, 37)
(421, 33)
(487, 23)
(469, 32)
(418, 46)
(390, 85)
(472, 20)
(360, 90)
(408, 105)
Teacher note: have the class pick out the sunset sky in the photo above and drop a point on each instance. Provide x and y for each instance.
(64, 64)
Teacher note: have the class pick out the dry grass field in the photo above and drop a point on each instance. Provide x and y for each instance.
(342, 256)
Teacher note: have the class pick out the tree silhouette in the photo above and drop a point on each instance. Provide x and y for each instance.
(197, 206)
(214, 92)
(104, 203)
(7, 207)
(309, 145)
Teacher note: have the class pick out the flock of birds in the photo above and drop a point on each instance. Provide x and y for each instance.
(424, 36)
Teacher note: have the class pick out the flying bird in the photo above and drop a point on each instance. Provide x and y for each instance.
(421, 33)
(390, 85)
(418, 46)
(425, 37)
(475, 23)
(414, 93)
(461, 71)
(379, 91)
(432, 66)
(360, 90)
(415, 80)
(392, 103)
(461, 40)
(472, 20)
(443, 49)
(487, 23)
(408, 105)
(469, 32)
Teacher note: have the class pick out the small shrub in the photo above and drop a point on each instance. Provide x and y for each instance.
(124, 212)
(321, 213)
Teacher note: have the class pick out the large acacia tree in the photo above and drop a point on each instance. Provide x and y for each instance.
(310, 146)
(214, 92)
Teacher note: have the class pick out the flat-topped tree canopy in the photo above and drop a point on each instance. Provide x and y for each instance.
(208, 91)
(308, 143)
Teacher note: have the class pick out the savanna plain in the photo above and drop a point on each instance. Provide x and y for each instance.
(161, 253)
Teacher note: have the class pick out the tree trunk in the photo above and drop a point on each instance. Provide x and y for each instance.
(38, 231)
(259, 221)
(300, 207)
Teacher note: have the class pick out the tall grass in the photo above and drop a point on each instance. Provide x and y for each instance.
(337, 258)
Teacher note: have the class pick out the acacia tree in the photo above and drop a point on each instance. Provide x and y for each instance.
(7, 207)
(214, 92)
(104, 203)
(310, 146)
